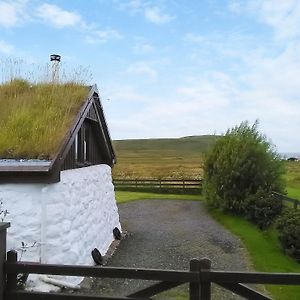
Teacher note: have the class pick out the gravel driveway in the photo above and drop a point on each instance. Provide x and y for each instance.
(166, 234)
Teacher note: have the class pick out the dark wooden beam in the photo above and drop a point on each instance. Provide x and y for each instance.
(101, 272)
(24, 295)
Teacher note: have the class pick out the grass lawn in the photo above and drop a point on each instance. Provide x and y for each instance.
(294, 192)
(292, 178)
(124, 196)
(264, 251)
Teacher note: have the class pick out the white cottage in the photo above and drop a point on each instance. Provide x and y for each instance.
(63, 206)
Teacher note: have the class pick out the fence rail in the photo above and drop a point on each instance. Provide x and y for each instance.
(200, 276)
(159, 184)
(287, 200)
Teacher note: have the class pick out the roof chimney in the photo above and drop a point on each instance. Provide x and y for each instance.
(55, 58)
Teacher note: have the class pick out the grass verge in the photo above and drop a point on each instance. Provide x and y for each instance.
(124, 196)
(264, 250)
(293, 192)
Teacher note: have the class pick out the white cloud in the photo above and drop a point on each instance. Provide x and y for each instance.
(58, 17)
(282, 16)
(203, 94)
(5, 47)
(144, 69)
(194, 38)
(142, 46)
(145, 48)
(12, 13)
(126, 94)
(133, 6)
(156, 16)
(152, 13)
(101, 36)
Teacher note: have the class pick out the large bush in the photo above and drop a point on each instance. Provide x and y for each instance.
(262, 208)
(288, 226)
(240, 170)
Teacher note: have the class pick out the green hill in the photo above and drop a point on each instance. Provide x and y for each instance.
(161, 158)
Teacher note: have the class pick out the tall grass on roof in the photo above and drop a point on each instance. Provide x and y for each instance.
(15, 68)
(34, 118)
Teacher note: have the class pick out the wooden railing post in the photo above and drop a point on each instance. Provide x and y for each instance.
(3, 227)
(295, 204)
(194, 286)
(205, 284)
(11, 284)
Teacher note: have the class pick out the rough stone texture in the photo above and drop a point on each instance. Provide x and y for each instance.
(166, 234)
(23, 203)
(62, 222)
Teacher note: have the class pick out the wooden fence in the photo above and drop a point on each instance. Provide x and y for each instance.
(200, 276)
(176, 185)
(288, 201)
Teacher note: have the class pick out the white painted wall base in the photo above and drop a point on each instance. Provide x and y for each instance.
(62, 223)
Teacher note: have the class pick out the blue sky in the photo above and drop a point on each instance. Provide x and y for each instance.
(171, 68)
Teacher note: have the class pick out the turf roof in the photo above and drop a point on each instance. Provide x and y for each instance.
(34, 118)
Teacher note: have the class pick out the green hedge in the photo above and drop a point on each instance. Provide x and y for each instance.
(288, 226)
(262, 208)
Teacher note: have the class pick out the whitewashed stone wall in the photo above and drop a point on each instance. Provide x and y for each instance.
(62, 222)
(24, 213)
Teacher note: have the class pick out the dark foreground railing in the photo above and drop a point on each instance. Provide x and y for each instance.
(200, 276)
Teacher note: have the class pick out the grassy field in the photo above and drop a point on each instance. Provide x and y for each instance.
(292, 178)
(177, 159)
(161, 158)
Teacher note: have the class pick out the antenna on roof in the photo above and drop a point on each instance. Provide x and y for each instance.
(55, 58)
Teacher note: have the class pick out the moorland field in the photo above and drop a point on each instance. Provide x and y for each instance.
(161, 158)
(177, 158)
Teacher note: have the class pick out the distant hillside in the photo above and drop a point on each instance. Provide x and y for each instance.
(161, 158)
(189, 143)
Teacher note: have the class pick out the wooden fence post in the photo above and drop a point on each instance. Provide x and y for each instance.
(12, 257)
(205, 285)
(3, 227)
(295, 204)
(194, 286)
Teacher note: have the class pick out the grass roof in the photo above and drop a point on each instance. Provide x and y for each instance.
(35, 118)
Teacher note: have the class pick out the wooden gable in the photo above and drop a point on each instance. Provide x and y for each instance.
(87, 143)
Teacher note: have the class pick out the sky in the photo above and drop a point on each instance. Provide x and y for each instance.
(170, 68)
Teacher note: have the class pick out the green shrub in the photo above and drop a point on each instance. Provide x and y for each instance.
(262, 208)
(241, 164)
(288, 226)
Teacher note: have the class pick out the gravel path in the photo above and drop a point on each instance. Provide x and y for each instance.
(166, 234)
